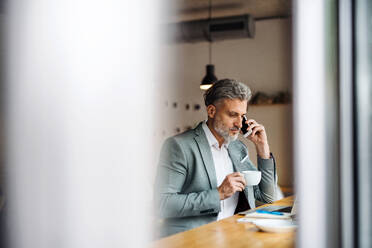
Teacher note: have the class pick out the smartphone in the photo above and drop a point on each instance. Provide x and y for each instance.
(245, 126)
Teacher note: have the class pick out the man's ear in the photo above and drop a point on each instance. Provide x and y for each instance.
(211, 110)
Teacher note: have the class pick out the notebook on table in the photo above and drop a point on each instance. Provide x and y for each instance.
(291, 210)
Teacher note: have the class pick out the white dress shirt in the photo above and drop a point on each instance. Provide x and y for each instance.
(223, 167)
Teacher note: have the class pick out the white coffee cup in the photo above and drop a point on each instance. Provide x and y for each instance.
(252, 177)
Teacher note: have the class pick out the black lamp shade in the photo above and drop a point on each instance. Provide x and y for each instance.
(209, 78)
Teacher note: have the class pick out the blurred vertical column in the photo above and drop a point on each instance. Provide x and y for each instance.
(316, 123)
(79, 107)
(347, 120)
(363, 122)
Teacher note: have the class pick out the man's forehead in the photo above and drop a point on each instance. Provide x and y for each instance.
(234, 105)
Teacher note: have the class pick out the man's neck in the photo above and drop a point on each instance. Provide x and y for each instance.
(218, 137)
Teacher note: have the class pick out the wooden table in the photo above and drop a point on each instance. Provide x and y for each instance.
(229, 233)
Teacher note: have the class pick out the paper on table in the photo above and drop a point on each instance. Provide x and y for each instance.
(254, 216)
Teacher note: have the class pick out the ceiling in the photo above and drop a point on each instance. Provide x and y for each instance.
(182, 10)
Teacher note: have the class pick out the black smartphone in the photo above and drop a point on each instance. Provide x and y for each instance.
(245, 126)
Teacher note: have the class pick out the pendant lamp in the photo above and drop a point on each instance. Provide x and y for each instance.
(209, 78)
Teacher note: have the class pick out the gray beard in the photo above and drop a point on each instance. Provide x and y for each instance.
(221, 130)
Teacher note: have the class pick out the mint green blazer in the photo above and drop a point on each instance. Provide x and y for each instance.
(186, 193)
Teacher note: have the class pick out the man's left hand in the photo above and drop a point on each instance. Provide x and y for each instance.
(259, 138)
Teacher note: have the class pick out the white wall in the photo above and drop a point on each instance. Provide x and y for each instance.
(79, 97)
(263, 63)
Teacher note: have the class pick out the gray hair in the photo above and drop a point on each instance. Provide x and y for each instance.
(226, 89)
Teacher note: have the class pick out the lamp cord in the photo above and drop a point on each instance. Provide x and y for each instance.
(209, 31)
(210, 53)
(210, 9)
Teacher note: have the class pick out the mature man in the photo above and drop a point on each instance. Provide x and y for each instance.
(199, 175)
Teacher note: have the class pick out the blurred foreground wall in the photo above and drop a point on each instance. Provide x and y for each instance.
(79, 99)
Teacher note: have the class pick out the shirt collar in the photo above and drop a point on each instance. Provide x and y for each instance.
(211, 138)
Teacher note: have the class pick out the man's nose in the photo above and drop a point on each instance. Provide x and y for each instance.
(239, 123)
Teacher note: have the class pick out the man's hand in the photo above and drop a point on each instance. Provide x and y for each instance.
(232, 183)
(259, 138)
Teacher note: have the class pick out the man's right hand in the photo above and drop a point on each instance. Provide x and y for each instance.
(231, 184)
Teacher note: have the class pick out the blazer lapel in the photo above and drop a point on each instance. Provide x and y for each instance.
(236, 157)
(206, 155)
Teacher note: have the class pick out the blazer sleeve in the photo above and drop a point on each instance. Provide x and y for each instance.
(265, 191)
(172, 172)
